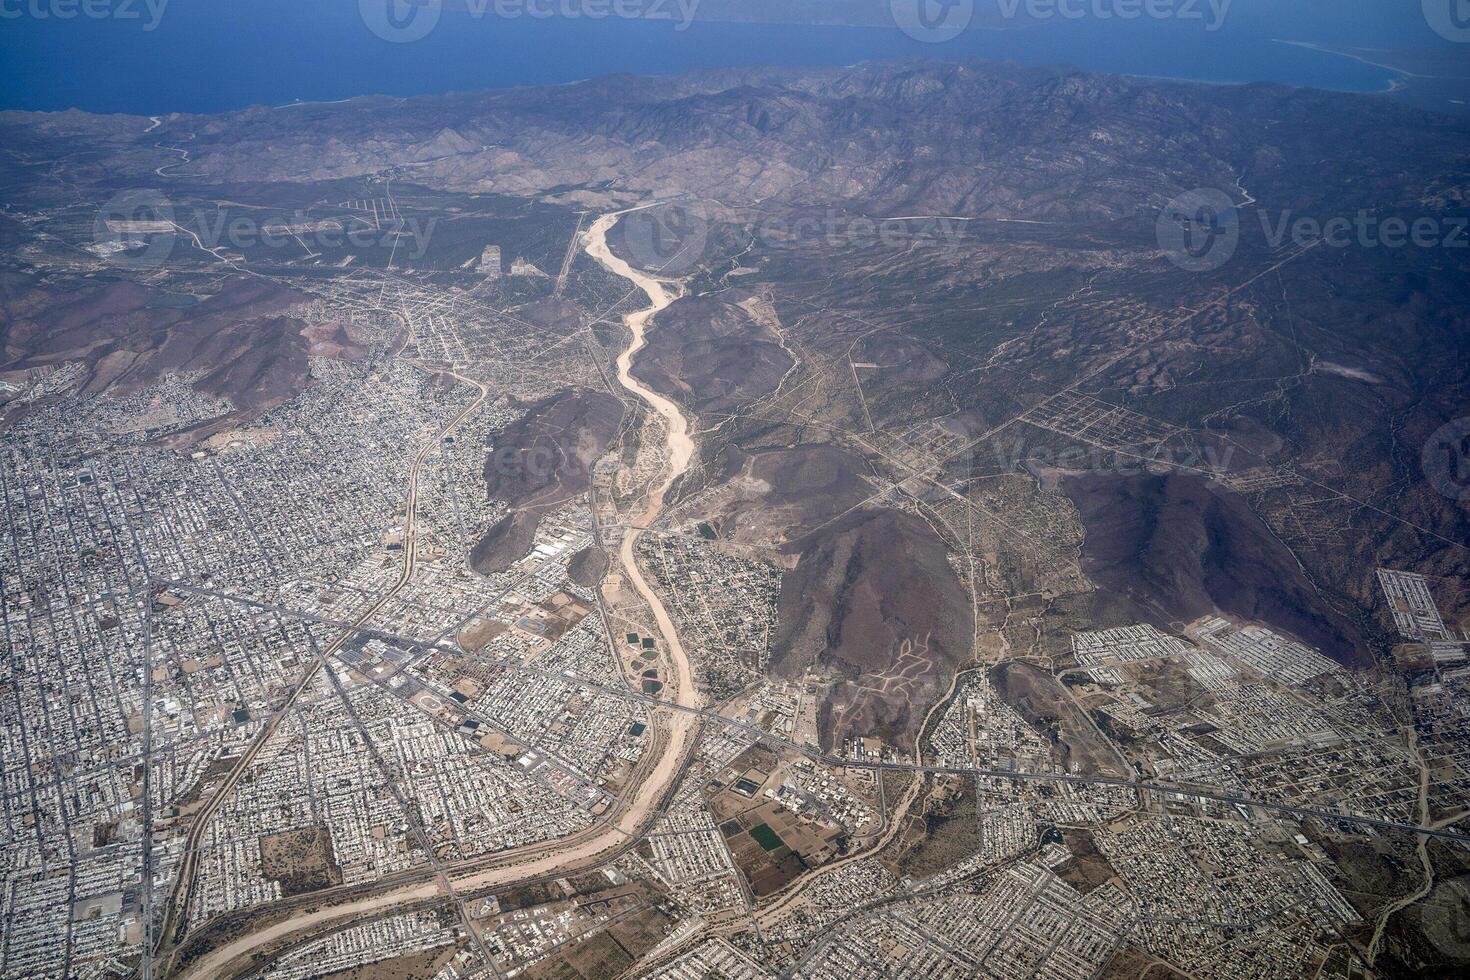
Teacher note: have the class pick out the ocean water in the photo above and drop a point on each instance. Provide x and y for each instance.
(159, 56)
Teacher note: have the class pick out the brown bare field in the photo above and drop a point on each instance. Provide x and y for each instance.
(301, 860)
(1040, 699)
(422, 965)
(1088, 868)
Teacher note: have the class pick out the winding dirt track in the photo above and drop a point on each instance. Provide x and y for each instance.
(675, 730)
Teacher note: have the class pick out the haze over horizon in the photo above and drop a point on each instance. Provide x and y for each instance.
(270, 52)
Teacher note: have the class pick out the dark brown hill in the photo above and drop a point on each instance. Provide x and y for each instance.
(1180, 548)
(546, 455)
(237, 342)
(540, 461)
(874, 600)
(711, 355)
